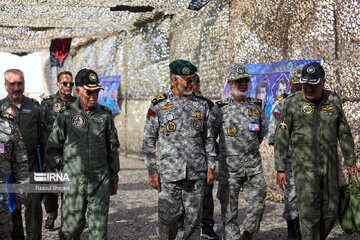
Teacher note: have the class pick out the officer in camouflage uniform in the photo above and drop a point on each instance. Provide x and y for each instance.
(83, 144)
(239, 123)
(50, 108)
(26, 113)
(312, 121)
(177, 121)
(291, 214)
(13, 161)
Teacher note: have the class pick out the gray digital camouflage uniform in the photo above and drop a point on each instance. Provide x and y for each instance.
(49, 110)
(86, 147)
(13, 161)
(290, 207)
(178, 125)
(27, 117)
(241, 128)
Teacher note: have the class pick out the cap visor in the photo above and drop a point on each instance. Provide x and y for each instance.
(240, 77)
(310, 81)
(93, 86)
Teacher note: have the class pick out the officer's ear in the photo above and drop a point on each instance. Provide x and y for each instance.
(77, 90)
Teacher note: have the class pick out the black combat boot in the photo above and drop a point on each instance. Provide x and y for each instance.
(293, 229)
(246, 236)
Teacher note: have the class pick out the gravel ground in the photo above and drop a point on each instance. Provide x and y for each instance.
(133, 211)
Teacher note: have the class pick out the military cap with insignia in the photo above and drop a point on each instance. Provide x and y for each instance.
(182, 67)
(312, 73)
(87, 79)
(238, 71)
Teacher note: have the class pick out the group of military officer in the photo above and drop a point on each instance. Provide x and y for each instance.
(305, 128)
(76, 136)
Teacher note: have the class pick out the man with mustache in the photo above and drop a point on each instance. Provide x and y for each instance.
(177, 120)
(83, 143)
(50, 108)
(26, 113)
(313, 122)
(291, 214)
(240, 125)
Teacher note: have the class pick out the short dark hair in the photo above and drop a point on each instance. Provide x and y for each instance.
(63, 73)
(14, 71)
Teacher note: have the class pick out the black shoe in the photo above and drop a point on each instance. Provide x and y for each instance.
(208, 233)
(49, 223)
(246, 236)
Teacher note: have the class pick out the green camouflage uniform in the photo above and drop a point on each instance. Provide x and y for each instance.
(50, 108)
(85, 147)
(28, 119)
(13, 161)
(314, 131)
(241, 129)
(178, 125)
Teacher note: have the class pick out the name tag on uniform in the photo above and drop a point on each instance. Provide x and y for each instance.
(254, 126)
(2, 148)
(26, 111)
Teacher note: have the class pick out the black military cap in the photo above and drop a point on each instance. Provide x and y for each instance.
(87, 79)
(182, 67)
(312, 73)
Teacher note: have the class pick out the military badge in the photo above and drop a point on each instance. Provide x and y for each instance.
(197, 124)
(328, 109)
(196, 105)
(98, 120)
(2, 147)
(16, 136)
(298, 74)
(198, 114)
(171, 127)
(232, 130)
(7, 151)
(10, 111)
(307, 109)
(240, 70)
(282, 125)
(170, 117)
(150, 113)
(185, 70)
(254, 113)
(78, 121)
(92, 77)
(167, 106)
(310, 70)
(56, 107)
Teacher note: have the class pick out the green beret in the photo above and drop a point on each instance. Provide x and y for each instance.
(182, 67)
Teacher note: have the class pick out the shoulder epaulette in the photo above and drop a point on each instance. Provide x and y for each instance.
(8, 116)
(198, 95)
(47, 97)
(105, 108)
(34, 100)
(255, 100)
(282, 96)
(64, 108)
(223, 102)
(159, 99)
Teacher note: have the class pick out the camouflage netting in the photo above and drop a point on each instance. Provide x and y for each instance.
(140, 47)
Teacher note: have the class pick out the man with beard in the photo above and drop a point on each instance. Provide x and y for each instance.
(83, 144)
(26, 113)
(50, 108)
(291, 214)
(177, 120)
(239, 123)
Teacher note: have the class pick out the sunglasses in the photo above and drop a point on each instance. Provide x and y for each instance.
(68, 83)
(90, 92)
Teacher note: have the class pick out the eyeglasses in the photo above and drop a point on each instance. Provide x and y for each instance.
(90, 92)
(68, 83)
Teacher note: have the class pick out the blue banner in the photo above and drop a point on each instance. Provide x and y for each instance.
(108, 96)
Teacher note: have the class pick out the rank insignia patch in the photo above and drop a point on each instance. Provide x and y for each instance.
(167, 106)
(283, 125)
(254, 113)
